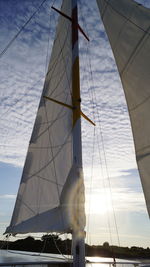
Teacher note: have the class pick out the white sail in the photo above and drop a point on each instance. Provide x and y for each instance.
(46, 196)
(127, 24)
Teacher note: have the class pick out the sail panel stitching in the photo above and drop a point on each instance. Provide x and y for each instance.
(26, 205)
(143, 148)
(47, 147)
(140, 104)
(58, 56)
(135, 52)
(141, 41)
(42, 178)
(142, 156)
(48, 180)
(64, 59)
(51, 160)
(105, 9)
(53, 122)
(58, 192)
(122, 15)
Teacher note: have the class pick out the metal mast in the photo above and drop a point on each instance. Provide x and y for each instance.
(78, 212)
(78, 243)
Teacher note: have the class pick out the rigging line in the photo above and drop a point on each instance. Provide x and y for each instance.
(5, 242)
(90, 91)
(91, 181)
(87, 58)
(93, 148)
(103, 181)
(21, 29)
(106, 165)
(100, 156)
(44, 245)
(59, 248)
(108, 221)
(19, 99)
(66, 241)
(102, 139)
(104, 186)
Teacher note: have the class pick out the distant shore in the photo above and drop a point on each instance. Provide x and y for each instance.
(54, 244)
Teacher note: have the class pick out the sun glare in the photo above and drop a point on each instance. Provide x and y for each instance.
(98, 204)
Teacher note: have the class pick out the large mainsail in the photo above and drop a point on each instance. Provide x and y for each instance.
(127, 24)
(47, 197)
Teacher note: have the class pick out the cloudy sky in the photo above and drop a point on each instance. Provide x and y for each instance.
(115, 204)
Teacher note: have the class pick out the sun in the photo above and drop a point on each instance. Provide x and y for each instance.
(98, 204)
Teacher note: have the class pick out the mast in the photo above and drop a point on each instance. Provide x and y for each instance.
(78, 243)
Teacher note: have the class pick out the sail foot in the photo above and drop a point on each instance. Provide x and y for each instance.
(68, 217)
(49, 221)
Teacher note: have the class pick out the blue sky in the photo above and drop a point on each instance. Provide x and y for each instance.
(23, 67)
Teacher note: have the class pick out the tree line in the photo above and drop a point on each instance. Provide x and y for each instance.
(54, 244)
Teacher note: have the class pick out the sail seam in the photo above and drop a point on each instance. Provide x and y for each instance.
(50, 181)
(53, 122)
(135, 52)
(58, 59)
(142, 156)
(105, 8)
(49, 162)
(31, 146)
(58, 192)
(26, 205)
(140, 104)
(122, 15)
(143, 148)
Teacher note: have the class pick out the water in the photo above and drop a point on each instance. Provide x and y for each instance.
(22, 258)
